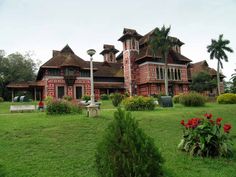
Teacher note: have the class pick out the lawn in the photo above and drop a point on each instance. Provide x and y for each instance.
(35, 144)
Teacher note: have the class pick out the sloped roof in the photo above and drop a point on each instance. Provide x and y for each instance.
(109, 48)
(201, 66)
(129, 33)
(66, 57)
(105, 69)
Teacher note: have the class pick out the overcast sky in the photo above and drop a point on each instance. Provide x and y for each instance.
(43, 25)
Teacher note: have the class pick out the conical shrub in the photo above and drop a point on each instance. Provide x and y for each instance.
(126, 151)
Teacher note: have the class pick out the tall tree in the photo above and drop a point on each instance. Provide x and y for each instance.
(217, 50)
(161, 41)
(14, 68)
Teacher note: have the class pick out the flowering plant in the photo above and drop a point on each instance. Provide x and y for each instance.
(204, 137)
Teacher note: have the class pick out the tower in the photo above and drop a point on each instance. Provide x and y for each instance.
(130, 40)
(109, 53)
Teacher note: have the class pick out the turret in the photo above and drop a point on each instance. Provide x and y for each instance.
(109, 53)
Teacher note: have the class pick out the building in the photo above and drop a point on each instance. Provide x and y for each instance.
(134, 70)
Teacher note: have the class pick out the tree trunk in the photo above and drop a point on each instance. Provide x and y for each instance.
(218, 76)
(166, 75)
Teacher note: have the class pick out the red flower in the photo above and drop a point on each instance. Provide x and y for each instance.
(227, 127)
(182, 122)
(218, 120)
(208, 116)
(212, 121)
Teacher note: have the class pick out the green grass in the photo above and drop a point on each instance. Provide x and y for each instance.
(36, 144)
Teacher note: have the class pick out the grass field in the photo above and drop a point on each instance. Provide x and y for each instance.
(35, 144)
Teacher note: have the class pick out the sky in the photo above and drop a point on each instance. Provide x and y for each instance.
(41, 26)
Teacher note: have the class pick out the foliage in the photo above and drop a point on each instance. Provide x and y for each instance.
(158, 96)
(192, 99)
(202, 81)
(67, 98)
(233, 83)
(117, 99)
(217, 50)
(227, 98)
(1, 99)
(62, 107)
(104, 97)
(48, 99)
(139, 103)
(160, 41)
(176, 98)
(15, 68)
(127, 151)
(204, 137)
(86, 98)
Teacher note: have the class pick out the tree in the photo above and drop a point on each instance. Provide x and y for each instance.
(217, 50)
(233, 79)
(15, 68)
(126, 150)
(161, 41)
(202, 81)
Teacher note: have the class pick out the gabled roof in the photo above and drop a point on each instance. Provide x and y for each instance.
(201, 66)
(147, 37)
(66, 57)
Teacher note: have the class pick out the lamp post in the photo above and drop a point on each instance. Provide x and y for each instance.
(92, 109)
(91, 52)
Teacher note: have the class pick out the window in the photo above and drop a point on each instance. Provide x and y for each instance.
(60, 91)
(78, 92)
(162, 74)
(70, 71)
(158, 75)
(168, 72)
(83, 73)
(133, 43)
(179, 74)
(54, 72)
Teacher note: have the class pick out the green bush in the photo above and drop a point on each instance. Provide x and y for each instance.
(139, 103)
(1, 99)
(126, 150)
(176, 98)
(104, 97)
(48, 100)
(117, 99)
(86, 98)
(111, 96)
(204, 137)
(227, 98)
(158, 96)
(192, 99)
(67, 98)
(62, 107)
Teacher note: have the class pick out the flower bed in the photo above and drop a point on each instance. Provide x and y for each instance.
(205, 137)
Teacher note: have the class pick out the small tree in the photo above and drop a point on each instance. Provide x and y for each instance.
(202, 81)
(117, 99)
(127, 151)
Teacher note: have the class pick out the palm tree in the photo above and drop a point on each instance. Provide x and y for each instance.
(217, 50)
(161, 41)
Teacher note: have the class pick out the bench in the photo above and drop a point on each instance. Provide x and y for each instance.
(22, 108)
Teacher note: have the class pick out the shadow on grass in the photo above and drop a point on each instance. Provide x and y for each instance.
(2, 171)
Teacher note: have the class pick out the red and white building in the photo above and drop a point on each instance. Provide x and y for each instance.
(135, 70)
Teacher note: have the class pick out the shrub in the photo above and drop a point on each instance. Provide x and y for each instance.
(67, 98)
(111, 96)
(139, 103)
(227, 98)
(117, 99)
(1, 99)
(126, 150)
(86, 98)
(204, 137)
(176, 98)
(192, 99)
(62, 107)
(158, 96)
(104, 97)
(48, 100)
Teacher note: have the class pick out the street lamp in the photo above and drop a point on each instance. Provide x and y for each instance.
(91, 52)
(92, 109)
